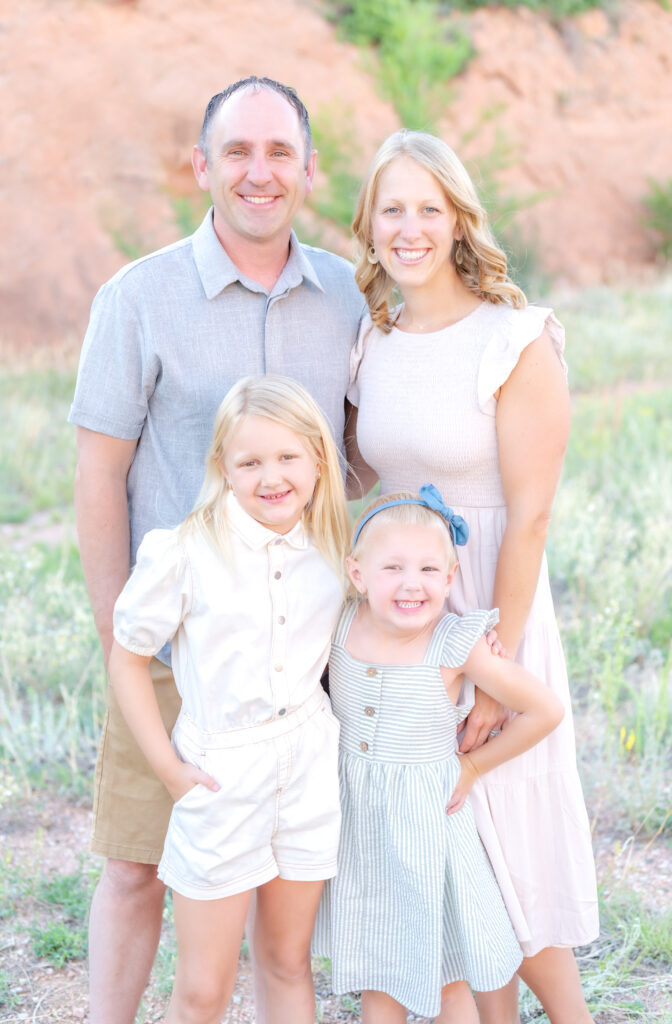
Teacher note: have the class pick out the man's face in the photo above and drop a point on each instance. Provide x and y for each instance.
(256, 169)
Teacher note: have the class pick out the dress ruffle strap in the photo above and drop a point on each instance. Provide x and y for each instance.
(516, 330)
(455, 636)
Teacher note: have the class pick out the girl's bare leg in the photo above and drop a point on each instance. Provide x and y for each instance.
(457, 1005)
(282, 931)
(379, 1008)
(553, 976)
(500, 1006)
(209, 933)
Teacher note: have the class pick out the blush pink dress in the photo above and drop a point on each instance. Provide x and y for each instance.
(427, 415)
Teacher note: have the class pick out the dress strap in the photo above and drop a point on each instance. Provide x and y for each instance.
(344, 623)
(437, 643)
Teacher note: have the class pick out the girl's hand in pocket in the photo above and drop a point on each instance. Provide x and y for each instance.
(468, 776)
(186, 777)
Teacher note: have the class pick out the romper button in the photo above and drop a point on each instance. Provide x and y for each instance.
(281, 619)
(278, 668)
(371, 672)
(282, 711)
(277, 574)
(369, 711)
(364, 746)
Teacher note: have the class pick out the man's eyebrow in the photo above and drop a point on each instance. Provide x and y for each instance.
(271, 144)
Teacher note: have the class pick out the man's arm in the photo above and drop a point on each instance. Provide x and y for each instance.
(101, 510)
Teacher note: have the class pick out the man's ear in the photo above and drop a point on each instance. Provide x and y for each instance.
(355, 573)
(310, 171)
(200, 165)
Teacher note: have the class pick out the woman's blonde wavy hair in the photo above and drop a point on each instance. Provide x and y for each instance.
(483, 268)
(284, 401)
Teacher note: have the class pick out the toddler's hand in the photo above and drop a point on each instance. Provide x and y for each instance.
(468, 776)
(185, 777)
(494, 644)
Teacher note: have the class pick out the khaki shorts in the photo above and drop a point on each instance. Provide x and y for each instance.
(131, 807)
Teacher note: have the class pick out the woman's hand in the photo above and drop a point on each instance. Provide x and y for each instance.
(185, 777)
(468, 776)
(496, 647)
(486, 716)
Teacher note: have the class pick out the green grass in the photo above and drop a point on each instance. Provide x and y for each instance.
(619, 337)
(611, 569)
(37, 446)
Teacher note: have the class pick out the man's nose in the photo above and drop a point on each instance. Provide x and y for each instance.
(259, 170)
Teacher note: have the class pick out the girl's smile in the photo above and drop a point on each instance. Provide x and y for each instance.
(271, 471)
(405, 573)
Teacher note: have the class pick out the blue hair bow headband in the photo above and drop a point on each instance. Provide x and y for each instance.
(429, 498)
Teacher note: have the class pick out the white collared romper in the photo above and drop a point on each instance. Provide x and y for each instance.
(250, 639)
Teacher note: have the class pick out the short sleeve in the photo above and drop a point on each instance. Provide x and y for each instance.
(515, 331)
(462, 632)
(113, 380)
(356, 357)
(156, 597)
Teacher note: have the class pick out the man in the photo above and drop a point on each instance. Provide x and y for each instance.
(168, 337)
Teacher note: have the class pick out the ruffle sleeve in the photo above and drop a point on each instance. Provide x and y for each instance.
(156, 597)
(516, 330)
(356, 356)
(462, 632)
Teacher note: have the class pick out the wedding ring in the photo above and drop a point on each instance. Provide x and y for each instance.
(495, 732)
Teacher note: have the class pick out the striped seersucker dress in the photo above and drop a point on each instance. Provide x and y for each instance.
(415, 904)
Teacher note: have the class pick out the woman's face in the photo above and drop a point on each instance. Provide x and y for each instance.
(413, 224)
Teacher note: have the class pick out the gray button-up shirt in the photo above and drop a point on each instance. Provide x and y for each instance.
(170, 334)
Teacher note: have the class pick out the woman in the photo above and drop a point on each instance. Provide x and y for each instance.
(465, 385)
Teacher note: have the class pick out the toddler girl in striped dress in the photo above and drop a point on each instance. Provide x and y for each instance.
(414, 917)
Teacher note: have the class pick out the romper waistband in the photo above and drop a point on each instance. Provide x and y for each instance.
(253, 733)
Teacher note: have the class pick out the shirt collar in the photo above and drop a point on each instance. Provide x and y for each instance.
(217, 270)
(257, 536)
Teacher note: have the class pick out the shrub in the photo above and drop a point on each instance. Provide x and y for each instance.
(659, 219)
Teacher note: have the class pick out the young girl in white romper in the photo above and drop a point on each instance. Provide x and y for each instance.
(414, 917)
(249, 589)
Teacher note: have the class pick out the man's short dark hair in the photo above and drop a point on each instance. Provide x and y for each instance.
(252, 81)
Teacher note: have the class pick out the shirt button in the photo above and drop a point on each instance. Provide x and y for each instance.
(282, 711)
(364, 746)
(281, 619)
(277, 575)
(371, 672)
(369, 711)
(278, 668)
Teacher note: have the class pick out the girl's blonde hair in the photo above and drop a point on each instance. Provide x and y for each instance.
(483, 268)
(402, 515)
(287, 402)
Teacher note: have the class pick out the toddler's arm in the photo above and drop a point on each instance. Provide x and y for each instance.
(539, 712)
(132, 684)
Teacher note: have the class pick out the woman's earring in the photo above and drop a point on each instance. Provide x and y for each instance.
(372, 255)
(459, 254)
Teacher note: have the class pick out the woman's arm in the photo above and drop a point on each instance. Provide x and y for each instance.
(539, 711)
(361, 477)
(132, 684)
(533, 416)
